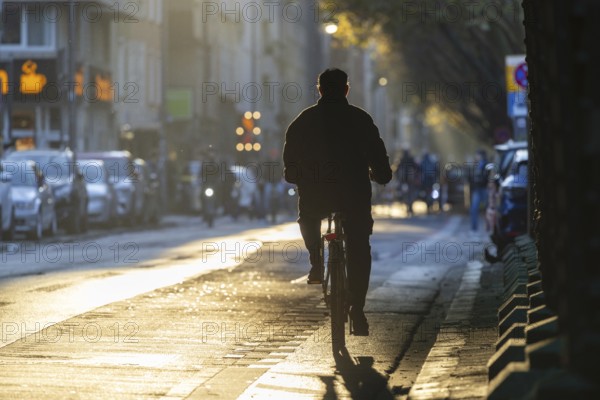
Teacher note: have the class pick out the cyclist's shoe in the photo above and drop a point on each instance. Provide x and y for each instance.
(360, 326)
(315, 276)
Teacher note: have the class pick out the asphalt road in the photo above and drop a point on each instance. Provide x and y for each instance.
(186, 312)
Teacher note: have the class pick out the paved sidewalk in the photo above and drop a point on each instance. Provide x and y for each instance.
(456, 365)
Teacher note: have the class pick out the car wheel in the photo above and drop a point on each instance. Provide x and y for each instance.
(53, 228)
(9, 234)
(499, 240)
(131, 218)
(75, 224)
(84, 220)
(38, 231)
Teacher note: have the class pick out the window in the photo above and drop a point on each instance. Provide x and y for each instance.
(28, 26)
(10, 26)
(55, 119)
(23, 120)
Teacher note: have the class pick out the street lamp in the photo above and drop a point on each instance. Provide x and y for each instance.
(72, 112)
(331, 27)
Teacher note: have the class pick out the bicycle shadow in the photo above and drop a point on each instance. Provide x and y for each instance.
(360, 378)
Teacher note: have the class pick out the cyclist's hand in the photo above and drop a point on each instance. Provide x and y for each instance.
(372, 176)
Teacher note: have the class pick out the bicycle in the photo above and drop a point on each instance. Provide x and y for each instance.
(335, 279)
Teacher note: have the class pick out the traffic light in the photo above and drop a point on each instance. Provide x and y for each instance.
(249, 132)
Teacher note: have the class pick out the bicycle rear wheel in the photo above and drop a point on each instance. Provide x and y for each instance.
(337, 300)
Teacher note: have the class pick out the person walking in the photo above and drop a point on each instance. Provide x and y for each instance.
(407, 176)
(478, 188)
(332, 151)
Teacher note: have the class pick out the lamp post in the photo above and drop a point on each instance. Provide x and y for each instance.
(72, 142)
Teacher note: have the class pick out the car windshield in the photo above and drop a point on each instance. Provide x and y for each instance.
(93, 171)
(119, 168)
(23, 177)
(505, 161)
(520, 172)
(57, 169)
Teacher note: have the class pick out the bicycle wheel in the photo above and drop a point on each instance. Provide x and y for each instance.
(337, 300)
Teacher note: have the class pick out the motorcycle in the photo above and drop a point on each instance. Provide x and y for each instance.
(431, 195)
(209, 206)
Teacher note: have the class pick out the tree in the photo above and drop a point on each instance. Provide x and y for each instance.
(446, 54)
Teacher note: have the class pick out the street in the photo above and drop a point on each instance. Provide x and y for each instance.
(159, 158)
(186, 312)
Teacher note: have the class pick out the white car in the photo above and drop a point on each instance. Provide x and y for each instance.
(124, 177)
(102, 197)
(7, 209)
(32, 198)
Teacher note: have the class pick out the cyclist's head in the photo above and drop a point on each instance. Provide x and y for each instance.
(333, 82)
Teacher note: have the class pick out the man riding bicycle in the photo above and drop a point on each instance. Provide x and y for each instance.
(332, 151)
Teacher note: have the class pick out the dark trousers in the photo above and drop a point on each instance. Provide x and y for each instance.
(357, 228)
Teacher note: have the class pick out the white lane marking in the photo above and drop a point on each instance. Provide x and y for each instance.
(300, 280)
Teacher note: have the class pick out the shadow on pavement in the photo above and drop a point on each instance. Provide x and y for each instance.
(360, 378)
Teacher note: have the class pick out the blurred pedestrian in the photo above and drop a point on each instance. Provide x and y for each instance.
(407, 176)
(493, 196)
(478, 187)
(429, 169)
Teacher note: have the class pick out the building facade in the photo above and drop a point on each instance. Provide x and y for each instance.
(231, 59)
(84, 74)
(173, 78)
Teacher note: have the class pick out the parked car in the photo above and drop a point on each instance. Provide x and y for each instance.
(149, 178)
(7, 209)
(123, 175)
(33, 199)
(505, 154)
(189, 188)
(102, 204)
(511, 214)
(68, 187)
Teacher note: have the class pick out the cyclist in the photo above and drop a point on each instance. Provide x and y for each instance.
(332, 150)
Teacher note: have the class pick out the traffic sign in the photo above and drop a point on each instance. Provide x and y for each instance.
(521, 75)
(516, 85)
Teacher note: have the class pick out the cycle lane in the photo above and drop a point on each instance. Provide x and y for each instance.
(407, 300)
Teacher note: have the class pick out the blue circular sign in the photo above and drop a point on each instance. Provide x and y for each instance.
(521, 75)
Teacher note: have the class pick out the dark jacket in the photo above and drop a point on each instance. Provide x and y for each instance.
(331, 151)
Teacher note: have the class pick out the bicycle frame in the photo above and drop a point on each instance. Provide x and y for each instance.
(335, 281)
